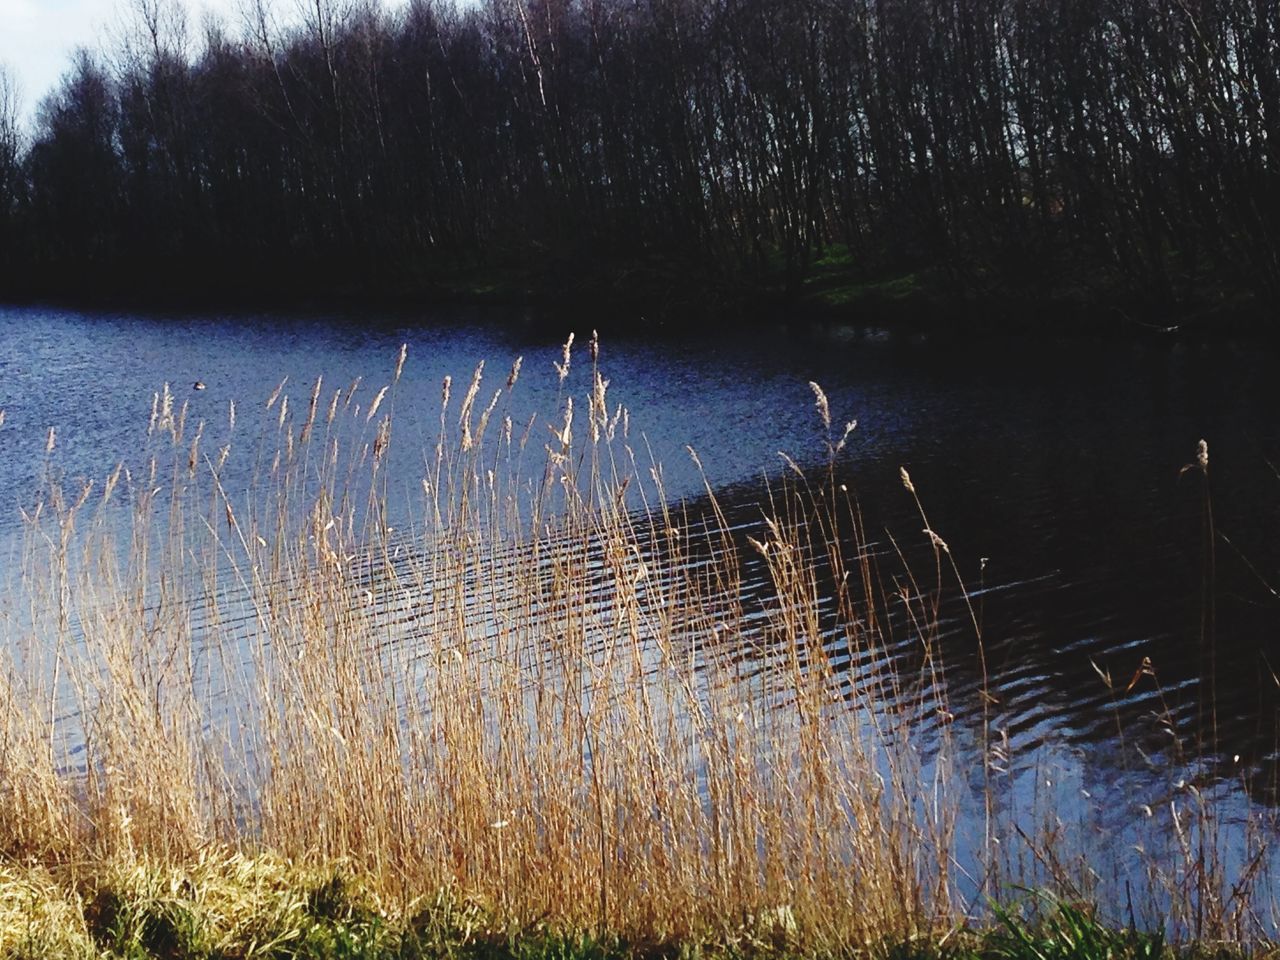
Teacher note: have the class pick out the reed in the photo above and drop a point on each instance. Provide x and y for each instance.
(535, 685)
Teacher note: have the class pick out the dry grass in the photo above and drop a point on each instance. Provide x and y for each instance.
(536, 683)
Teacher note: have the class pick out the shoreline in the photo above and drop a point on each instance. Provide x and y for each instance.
(227, 904)
(609, 301)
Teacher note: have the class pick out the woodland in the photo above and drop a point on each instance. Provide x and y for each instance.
(843, 153)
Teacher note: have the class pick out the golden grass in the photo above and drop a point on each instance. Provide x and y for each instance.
(538, 682)
(39, 917)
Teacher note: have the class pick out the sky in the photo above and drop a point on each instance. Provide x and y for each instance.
(38, 36)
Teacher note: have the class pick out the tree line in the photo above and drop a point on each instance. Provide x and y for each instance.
(997, 144)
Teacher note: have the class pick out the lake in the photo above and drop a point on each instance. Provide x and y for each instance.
(1054, 470)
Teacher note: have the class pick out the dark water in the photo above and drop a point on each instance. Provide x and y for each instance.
(1053, 470)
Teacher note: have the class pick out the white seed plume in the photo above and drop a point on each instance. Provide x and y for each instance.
(404, 352)
(377, 402)
(824, 409)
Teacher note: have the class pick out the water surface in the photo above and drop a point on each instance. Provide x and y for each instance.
(1053, 469)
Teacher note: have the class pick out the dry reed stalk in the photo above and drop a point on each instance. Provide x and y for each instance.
(555, 694)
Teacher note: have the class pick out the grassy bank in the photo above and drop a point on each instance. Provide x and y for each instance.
(251, 661)
(232, 906)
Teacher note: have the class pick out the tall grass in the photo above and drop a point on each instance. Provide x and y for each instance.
(536, 682)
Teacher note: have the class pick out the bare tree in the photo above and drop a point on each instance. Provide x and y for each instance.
(10, 139)
(10, 169)
(995, 145)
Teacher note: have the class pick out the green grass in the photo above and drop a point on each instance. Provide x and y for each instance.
(237, 908)
(835, 280)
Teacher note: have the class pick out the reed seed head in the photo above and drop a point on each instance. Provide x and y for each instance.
(404, 352)
(562, 369)
(275, 394)
(377, 402)
(820, 401)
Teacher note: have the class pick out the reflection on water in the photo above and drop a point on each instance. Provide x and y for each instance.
(1108, 654)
